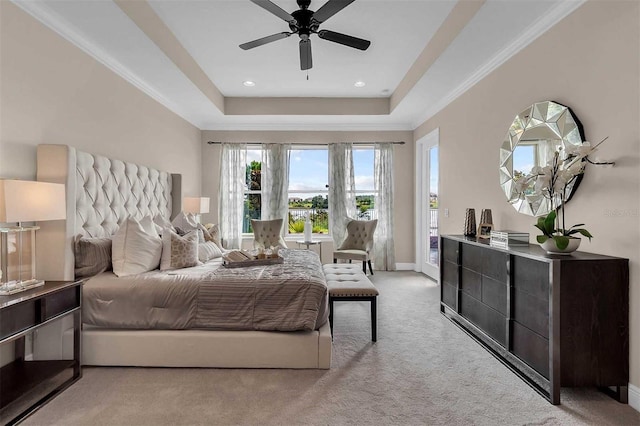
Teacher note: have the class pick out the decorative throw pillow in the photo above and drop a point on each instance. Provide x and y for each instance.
(134, 250)
(211, 233)
(179, 251)
(208, 251)
(162, 223)
(92, 256)
(184, 221)
(150, 226)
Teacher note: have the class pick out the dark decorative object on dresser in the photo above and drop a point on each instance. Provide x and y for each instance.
(470, 223)
(553, 320)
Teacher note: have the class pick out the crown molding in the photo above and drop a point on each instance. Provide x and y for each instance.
(309, 127)
(535, 30)
(58, 25)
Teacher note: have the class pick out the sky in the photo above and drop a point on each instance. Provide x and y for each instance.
(309, 169)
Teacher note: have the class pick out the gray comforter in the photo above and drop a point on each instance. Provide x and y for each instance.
(282, 297)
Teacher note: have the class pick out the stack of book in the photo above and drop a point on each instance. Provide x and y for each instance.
(506, 239)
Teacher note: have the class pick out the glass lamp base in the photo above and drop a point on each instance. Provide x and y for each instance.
(13, 287)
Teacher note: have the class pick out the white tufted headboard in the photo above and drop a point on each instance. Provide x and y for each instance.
(101, 194)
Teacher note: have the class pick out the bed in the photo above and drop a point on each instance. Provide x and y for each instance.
(95, 207)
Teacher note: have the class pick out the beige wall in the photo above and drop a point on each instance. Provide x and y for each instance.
(404, 171)
(589, 62)
(52, 92)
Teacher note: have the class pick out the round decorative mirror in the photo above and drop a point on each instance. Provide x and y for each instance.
(532, 140)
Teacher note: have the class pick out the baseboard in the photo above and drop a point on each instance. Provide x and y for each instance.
(634, 397)
(405, 266)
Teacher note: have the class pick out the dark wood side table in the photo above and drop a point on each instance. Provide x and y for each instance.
(25, 384)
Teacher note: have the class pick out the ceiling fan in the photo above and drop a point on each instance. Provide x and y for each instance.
(305, 22)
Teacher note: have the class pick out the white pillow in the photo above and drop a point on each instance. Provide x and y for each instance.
(133, 250)
(162, 222)
(149, 226)
(208, 251)
(186, 222)
(179, 251)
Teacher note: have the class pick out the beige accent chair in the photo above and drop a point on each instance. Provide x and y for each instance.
(267, 233)
(358, 244)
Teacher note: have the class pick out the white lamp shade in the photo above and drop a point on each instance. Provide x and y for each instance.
(28, 201)
(196, 205)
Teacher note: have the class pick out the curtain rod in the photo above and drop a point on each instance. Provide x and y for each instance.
(312, 144)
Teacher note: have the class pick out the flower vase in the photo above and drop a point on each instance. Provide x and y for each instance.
(486, 217)
(551, 248)
(470, 223)
(308, 230)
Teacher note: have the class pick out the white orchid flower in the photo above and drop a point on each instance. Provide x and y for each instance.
(580, 151)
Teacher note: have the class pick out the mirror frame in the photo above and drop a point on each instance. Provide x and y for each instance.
(560, 120)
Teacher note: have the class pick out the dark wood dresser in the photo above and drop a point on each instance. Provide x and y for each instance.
(555, 320)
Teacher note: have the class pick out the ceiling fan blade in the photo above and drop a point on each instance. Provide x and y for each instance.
(275, 9)
(264, 40)
(347, 40)
(330, 8)
(305, 55)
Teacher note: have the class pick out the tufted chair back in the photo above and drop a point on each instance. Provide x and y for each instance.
(359, 235)
(267, 233)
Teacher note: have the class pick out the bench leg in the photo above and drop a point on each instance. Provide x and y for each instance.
(331, 316)
(335, 260)
(374, 319)
(364, 267)
(370, 268)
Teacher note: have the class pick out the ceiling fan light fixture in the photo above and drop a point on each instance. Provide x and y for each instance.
(359, 83)
(249, 83)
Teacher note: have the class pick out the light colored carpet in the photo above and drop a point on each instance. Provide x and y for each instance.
(422, 370)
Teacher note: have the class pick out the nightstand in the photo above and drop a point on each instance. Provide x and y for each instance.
(27, 384)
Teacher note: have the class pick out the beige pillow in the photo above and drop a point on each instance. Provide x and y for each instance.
(208, 251)
(211, 233)
(179, 251)
(133, 250)
(92, 256)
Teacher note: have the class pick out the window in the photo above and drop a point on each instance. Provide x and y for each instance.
(308, 187)
(363, 158)
(308, 192)
(252, 197)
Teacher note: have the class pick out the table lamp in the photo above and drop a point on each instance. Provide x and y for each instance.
(24, 201)
(196, 205)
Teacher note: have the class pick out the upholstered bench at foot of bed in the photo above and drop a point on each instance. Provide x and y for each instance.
(348, 283)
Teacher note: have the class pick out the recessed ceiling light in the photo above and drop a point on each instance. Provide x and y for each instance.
(249, 83)
(359, 84)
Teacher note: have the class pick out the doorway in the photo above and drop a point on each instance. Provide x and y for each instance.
(427, 181)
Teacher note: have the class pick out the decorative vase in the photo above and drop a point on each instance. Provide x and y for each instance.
(551, 248)
(486, 217)
(308, 230)
(470, 223)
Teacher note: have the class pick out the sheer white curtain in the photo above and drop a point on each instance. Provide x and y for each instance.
(233, 163)
(384, 257)
(275, 181)
(342, 200)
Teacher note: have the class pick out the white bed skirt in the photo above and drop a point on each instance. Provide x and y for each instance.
(203, 348)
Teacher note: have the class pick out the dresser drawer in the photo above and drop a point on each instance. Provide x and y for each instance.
(450, 250)
(531, 312)
(471, 283)
(472, 257)
(531, 348)
(59, 302)
(494, 264)
(531, 276)
(17, 318)
(494, 294)
(450, 296)
(450, 273)
(488, 320)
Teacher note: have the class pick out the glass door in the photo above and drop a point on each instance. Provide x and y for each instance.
(427, 249)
